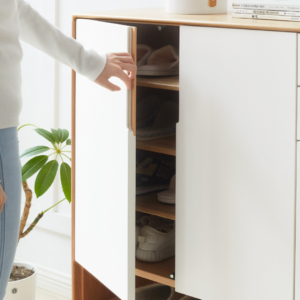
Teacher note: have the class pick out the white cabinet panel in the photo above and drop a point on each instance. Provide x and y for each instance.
(298, 59)
(236, 142)
(297, 256)
(105, 169)
(298, 115)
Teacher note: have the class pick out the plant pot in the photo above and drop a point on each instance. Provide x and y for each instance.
(196, 7)
(23, 289)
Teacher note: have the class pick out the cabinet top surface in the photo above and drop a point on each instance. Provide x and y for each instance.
(158, 16)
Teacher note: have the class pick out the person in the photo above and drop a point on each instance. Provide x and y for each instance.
(18, 20)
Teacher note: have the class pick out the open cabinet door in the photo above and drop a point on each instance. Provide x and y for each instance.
(105, 167)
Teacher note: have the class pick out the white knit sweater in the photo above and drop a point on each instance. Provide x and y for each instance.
(18, 20)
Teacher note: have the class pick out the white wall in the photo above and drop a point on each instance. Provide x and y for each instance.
(47, 103)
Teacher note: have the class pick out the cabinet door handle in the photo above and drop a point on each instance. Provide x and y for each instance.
(212, 3)
(133, 88)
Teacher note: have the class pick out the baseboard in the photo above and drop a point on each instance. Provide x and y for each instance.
(52, 280)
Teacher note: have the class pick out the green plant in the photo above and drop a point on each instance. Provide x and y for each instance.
(47, 169)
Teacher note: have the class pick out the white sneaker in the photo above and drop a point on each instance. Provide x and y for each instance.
(152, 221)
(156, 244)
(156, 291)
(168, 196)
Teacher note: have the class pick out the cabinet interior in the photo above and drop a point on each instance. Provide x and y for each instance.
(167, 89)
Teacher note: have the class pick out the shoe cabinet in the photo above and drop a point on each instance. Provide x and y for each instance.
(236, 160)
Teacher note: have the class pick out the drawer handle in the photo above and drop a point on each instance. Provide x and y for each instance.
(212, 3)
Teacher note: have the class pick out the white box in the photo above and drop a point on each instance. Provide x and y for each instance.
(196, 7)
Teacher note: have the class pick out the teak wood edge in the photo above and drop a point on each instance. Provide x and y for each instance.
(157, 16)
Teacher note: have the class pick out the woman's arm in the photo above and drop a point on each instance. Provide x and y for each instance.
(38, 32)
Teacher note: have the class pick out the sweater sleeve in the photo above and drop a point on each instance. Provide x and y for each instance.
(38, 32)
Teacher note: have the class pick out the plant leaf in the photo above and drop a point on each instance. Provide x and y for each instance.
(45, 178)
(34, 151)
(46, 134)
(33, 165)
(55, 135)
(68, 142)
(59, 132)
(65, 177)
(65, 135)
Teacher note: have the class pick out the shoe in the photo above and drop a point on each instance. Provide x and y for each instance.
(146, 108)
(161, 62)
(156, 244)
(153, 175)
(168, 196)
(143, 53)
(156, 291)
(161, 124)
(152, 221)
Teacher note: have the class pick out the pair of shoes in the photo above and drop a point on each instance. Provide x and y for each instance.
(158, 291)
(156, 119)
(156, 239)
(168, 196)
(161, 62)
(153, 174)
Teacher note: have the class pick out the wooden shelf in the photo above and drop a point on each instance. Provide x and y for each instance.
(158, 272)
(150, 205)
(165, 83)
(164, 146)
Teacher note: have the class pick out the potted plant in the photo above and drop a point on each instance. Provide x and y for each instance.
(22, 283)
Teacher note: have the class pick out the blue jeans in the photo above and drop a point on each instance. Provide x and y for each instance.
(10, 177)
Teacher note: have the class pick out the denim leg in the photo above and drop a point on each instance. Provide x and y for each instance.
(10, 176)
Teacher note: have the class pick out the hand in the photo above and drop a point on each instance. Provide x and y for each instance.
(2, 198)
(115, 66)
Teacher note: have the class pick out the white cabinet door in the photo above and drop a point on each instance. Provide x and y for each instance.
(236, 144)
(297, 256)
(105, 169)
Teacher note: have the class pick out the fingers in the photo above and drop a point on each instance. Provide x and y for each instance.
(122, 54)
(124, 77)
(127, 60)
(132, 69)
(110, 86)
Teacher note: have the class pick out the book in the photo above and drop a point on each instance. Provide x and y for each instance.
(282, 5)
(266, 12)
(266, 17)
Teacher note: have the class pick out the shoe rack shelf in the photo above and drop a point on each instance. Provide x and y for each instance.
(158, 272)
(149, 204)
(165, 83)
(164, 146)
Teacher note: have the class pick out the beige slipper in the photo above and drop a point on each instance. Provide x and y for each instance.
(143, 53)
(161, 62)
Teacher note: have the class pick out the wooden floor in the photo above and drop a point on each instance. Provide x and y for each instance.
(46, 295)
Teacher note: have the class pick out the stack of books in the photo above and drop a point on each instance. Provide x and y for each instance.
(283, 10)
